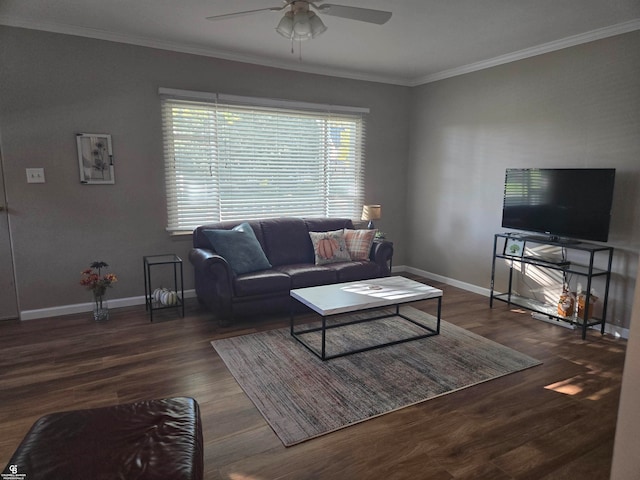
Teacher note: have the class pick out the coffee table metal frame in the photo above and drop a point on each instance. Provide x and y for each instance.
(299, 295)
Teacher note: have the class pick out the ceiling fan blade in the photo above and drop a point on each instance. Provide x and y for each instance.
(378, 17)
(247, 12)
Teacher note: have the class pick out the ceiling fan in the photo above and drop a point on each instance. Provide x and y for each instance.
(300, 22)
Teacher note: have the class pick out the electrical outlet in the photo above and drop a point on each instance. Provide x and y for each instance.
(35, 175)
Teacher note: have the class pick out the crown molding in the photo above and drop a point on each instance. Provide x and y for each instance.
(567, 42)
(99, 34)
(196, 50)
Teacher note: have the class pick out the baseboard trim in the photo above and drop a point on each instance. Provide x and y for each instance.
(446, 280)
(614, 330)
(87, 307)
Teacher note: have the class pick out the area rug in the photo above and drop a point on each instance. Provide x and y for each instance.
(302, 397)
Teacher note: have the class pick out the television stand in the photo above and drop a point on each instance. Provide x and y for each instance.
(521, 253)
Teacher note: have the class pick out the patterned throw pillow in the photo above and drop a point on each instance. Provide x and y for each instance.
(329, 247)
(359, 243)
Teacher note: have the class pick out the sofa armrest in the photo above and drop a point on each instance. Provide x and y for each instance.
(382, 254)
(206, 260)
(213, 279)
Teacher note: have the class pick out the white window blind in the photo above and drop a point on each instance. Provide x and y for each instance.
(231, 160)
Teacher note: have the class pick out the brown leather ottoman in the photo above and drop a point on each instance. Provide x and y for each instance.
(155, 439)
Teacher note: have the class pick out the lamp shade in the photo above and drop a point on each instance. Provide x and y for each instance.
(301, 25)
(285, 27)
(317, 27)
(371, 212)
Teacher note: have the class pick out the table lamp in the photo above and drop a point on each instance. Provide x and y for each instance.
(371, 213)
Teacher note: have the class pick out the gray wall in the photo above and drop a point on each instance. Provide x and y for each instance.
(436, 153)
(577, 107)
(53, 86)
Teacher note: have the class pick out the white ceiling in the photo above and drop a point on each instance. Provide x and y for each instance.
(425, 40)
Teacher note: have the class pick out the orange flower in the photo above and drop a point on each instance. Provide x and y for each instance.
(93, 279)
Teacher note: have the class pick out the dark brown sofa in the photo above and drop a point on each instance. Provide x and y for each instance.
(288, 248)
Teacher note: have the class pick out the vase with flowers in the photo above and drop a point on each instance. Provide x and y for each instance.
(94, 280)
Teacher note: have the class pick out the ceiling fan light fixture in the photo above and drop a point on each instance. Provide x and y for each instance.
(285, 27)
(317, 27)
(301, 26)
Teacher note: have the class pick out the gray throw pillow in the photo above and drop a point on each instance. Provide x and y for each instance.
(240, 248)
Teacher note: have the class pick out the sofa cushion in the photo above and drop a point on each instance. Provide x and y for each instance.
(354, 271)
(240, 248)
(329, 247)
(325, 224)
(359, 242)
(286, 241)
(309, 275)
(260, 283)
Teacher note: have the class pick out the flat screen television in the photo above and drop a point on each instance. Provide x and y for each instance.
(562, 203)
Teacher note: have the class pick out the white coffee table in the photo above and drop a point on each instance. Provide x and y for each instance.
(340, 298)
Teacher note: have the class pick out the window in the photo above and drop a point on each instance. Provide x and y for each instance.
(236, 158)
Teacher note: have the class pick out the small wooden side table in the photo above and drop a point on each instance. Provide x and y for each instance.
(155, 261)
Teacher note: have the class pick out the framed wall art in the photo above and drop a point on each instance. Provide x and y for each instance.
(514, 247)
(95, 157)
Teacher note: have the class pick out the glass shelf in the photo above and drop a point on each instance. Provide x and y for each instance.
(544, 308)
(585, 260)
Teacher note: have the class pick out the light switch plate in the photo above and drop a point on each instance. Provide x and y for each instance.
(35, 175)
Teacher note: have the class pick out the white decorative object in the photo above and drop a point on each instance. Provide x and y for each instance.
(164, 296)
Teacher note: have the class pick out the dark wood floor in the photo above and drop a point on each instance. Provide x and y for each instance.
(555, 421)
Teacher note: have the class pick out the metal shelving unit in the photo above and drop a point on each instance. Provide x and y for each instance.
(173, 261)
(515, 250)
